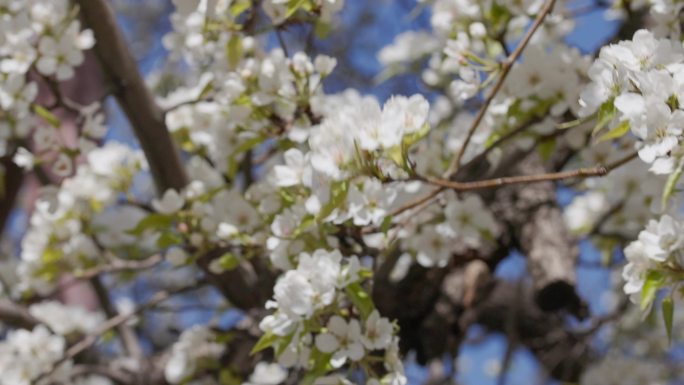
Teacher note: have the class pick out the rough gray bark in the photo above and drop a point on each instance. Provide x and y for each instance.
(532, 216)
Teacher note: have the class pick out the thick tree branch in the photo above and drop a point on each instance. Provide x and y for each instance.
(16, 316)
(137, 102)
(12, 180)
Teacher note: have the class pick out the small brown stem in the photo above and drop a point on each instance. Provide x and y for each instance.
(506, 66)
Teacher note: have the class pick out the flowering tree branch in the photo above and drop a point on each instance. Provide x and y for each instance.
(505, 69)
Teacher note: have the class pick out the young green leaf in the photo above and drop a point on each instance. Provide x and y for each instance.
(653, 282)
(615, 132)
(46, 115)
(152, 222)
(672, 183)
(265, 342)
(360, 299)
(606, 113)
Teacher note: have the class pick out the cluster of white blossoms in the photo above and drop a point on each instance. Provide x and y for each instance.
(658, 250)
(467, 224)
(207, 214)
(228, 114)
(267, 374)
(46, 37)
(460, 46)
(66, 320)
(622, 202)
(59, 239)
(637, 86)
(464, 51)
(35, 356)
(665, 18)
(25, 355)
(195, 347)
(203, 29)
(322, 287)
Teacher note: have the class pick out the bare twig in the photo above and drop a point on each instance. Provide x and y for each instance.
(89, 340)
(126, 332)
(120, 265)
(506, 66)
(520, 179)
(117, 375)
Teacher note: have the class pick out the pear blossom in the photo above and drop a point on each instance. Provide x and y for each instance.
(267, 374)
(64, 319)
(371, 204)
(170, 203)
(195, 344)
(377, 332)
(661, 238)
(343, 339)
(635, 270)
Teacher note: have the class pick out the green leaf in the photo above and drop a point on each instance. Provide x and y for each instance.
(386, 224)
(574, 123)
(360, 299)
(546, 148)
(606, 114)
(668, 314)
(152, 222)
(240, 6)
(671, 183)
(228, 261)
(226, 377)
(234, 50)
(284, 343)
(307, 221)
(245, 146)
(322, 29)
(52, 255)
(338, 194)
(397, 155)
(293, 6)
(265, 342)
(615, 132)
(169, 238)
(654, 280)
(46, 115)
(320, 367)
(414, 137)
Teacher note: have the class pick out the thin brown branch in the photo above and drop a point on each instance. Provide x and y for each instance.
(115, 374)
(120, 265)
(136, 100)
(89, 340)
(126, 333)
(506, 67)
(520, 179)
